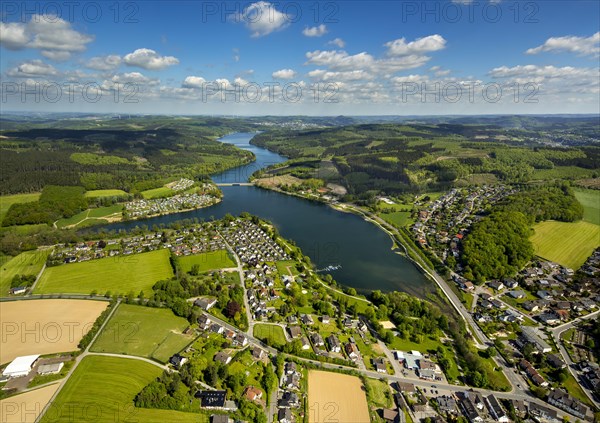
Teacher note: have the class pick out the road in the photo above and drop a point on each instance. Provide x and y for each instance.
(80, 357)
(556, 332)
(240, 270)
(480, 340)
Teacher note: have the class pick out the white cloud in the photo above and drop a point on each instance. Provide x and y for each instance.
(535, 71)
(32, 69)
(133, 78)
(104, 63)
(262, 18)
(582, 46)
(428, 44)
(149, 59)
(193, 82)
(339, 59)
(13, 35)
(347, 76)
(284, 74)
(337, 42)
(315, 31)
(54, 37)
(438, 71)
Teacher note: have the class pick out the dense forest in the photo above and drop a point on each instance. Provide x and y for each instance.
(545, 203)
(54, 202)
(498, 245)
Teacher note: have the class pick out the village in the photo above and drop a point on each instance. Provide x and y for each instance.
(287, 318)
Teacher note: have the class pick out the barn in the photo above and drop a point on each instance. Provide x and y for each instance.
(20, 366)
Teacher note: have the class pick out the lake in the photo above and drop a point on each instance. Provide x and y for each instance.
(327, 236)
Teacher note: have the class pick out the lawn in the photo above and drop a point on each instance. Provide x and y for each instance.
(97, 215)
(143, 331)
(398, 218)
(378, 393)
(119, 274)
(8, 200)
(102, 389)
(284, 267)
(272, 333)
(97, 193)
(590, 200)
(569, 244)
(26, 263)
(157, 193)
(425, 345)
(219, 259)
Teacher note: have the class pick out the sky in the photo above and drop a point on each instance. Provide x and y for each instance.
(346, 57)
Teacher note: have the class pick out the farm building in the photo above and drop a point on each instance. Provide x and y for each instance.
(20, 366)
(50, 369)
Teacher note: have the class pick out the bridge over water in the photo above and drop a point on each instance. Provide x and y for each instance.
(235, 184)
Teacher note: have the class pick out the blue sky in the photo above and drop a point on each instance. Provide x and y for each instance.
(345, 57)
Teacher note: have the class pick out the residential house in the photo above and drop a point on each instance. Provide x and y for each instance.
(555, 361)
(292, 382)
(178, 361)
(352, 351)
(284, 415)
(252, 393)
(496, 285)
(334, 344)
(532, 373)
(446, 404)
(203, 322)
(304, 342)
(380, 365)
(295, 331)
(290, 368)
(205, 303)
(257, 353)
(390, 416)
(307, 319)
(222, 357)
(289, 400)
(516, 294)
(211, 399)
(561, 399)
(496, 410)
(317, 339)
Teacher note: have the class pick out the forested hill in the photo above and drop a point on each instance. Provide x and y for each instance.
(110, 153)
(396, 158)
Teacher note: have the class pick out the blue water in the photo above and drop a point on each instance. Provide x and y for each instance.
(327, 236)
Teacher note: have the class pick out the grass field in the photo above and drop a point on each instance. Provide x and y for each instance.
(284, 267)
(98, 193)
(336, 397)
(97, 215)
(569, 244)
(26, 263)
(379, 392)
(26, 407)
(219, 259)
(274, 332)
(119, 274)
(398, 218)
(157, 193)
(590, 200)
(102, 390)
(45, 326)
(8, 200)
(143, 331)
